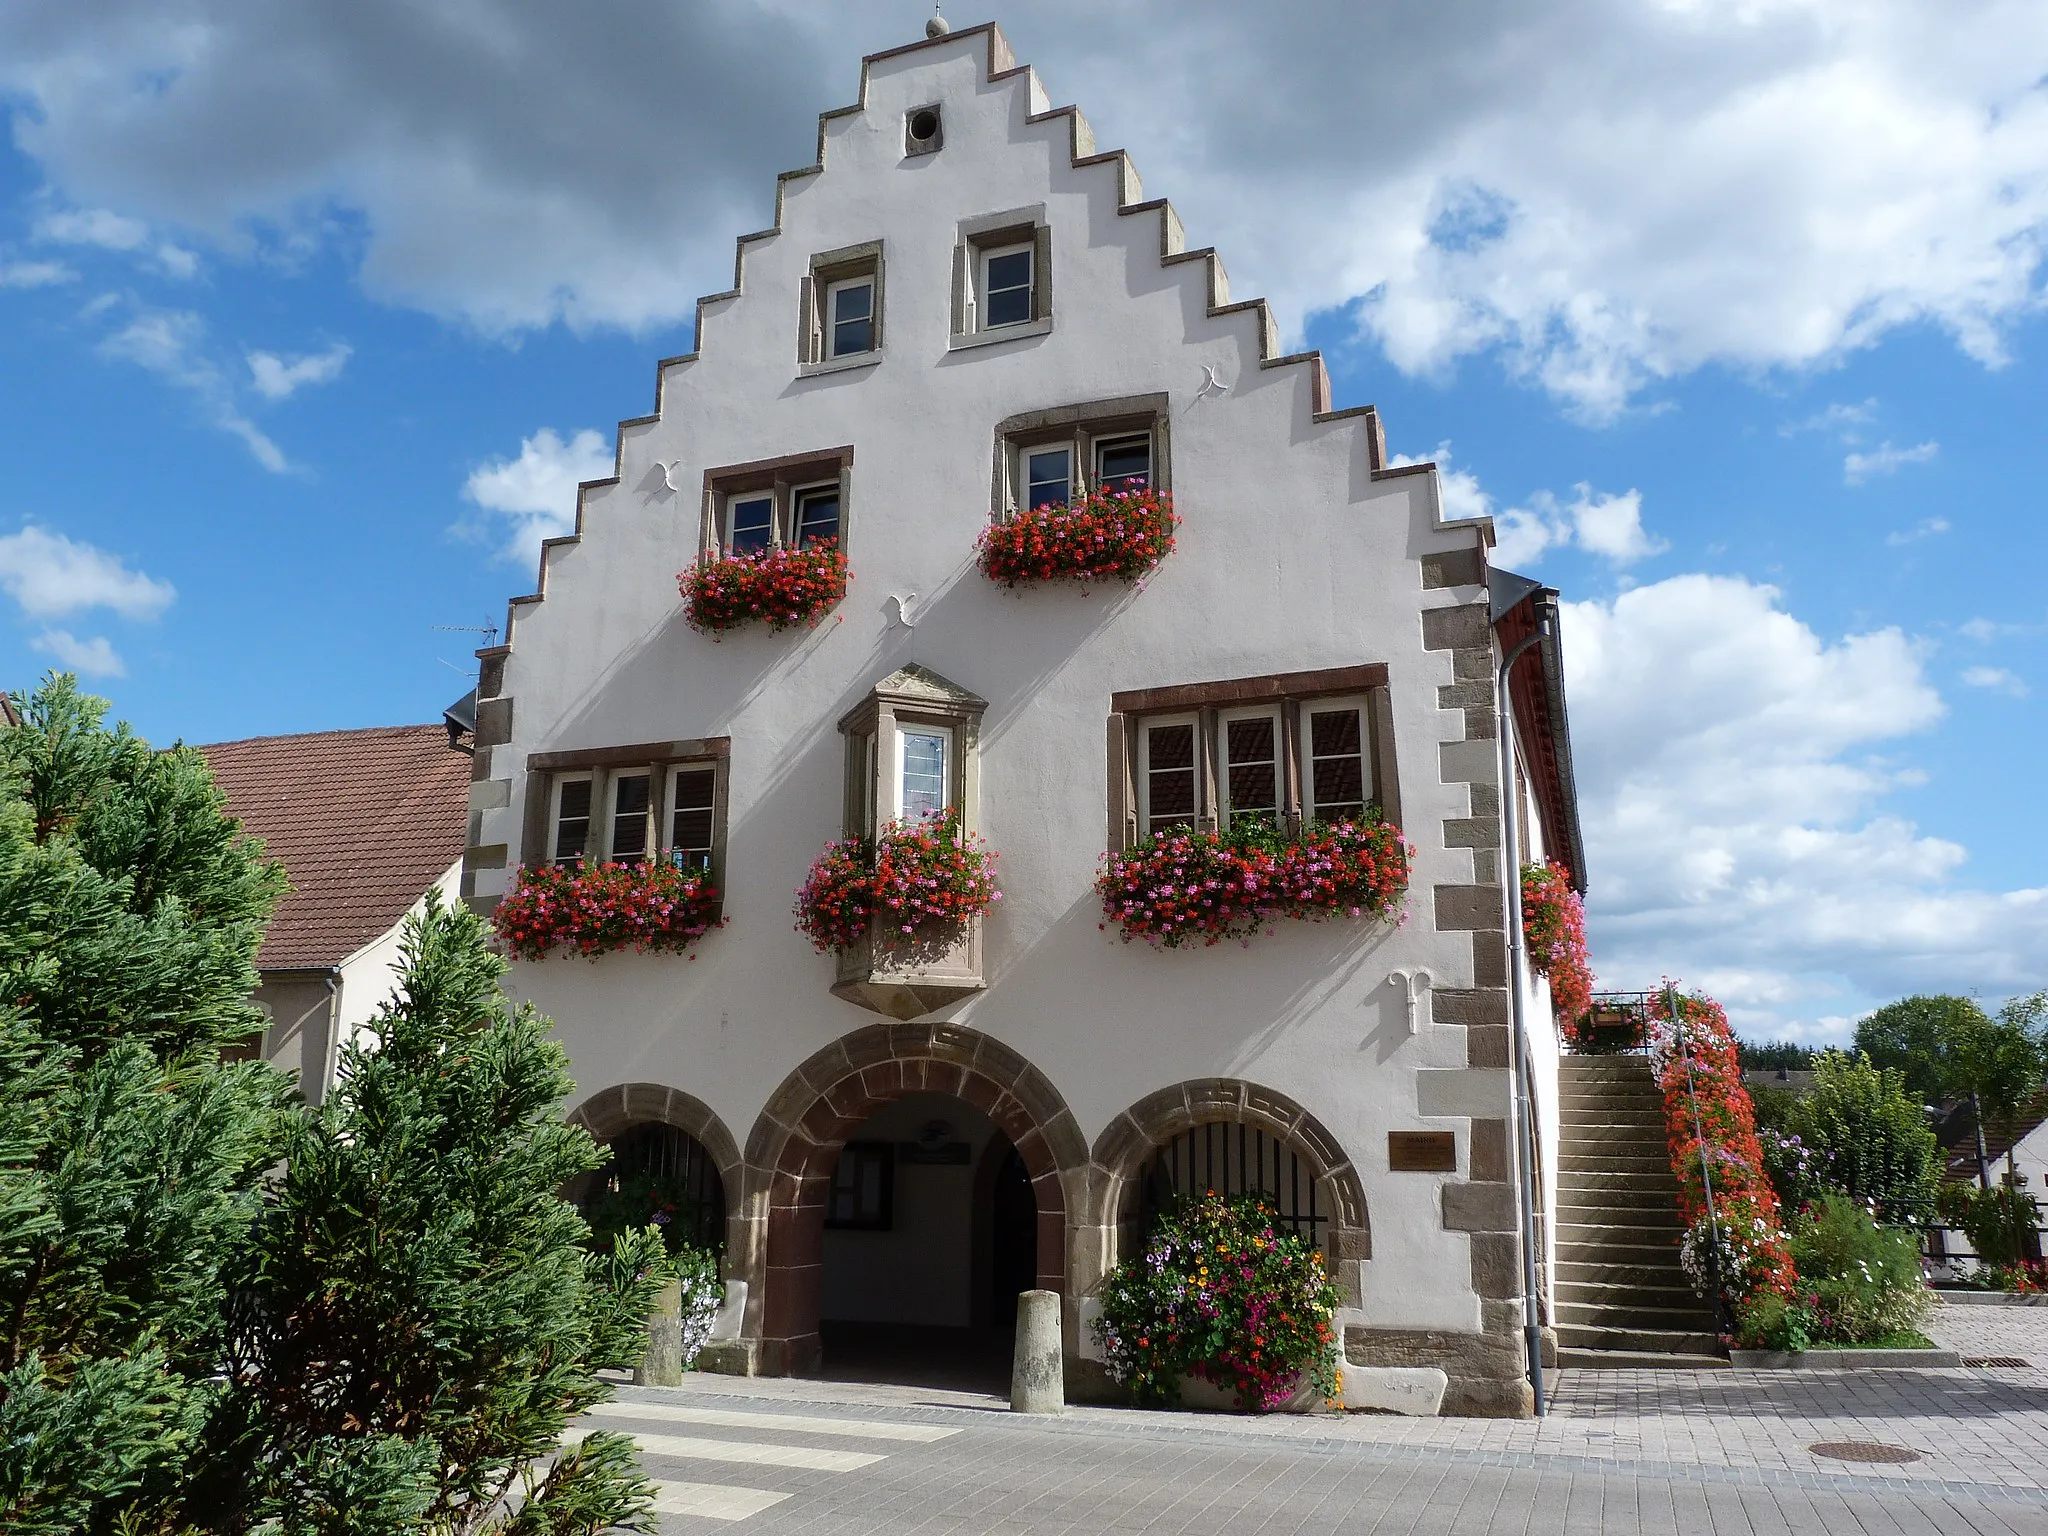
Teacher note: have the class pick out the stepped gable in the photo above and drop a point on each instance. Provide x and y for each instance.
(1001, 66)
(363, 822)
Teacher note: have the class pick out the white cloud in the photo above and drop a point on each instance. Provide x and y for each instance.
(99, 227)
(1926, 528)
(50, 576)
(1995, 678)
(278, 378)
(1603, 193)
(1839, 419)
(89, 658)
(1885, 460)
(1600, 524)
(537, 490)
(1733, 798)
(172, 344)
(35, 274)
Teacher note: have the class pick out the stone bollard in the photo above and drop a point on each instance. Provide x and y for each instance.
(662, 1364)
(1038, 1382)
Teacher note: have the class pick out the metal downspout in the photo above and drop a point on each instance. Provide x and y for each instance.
(333, 1051)
(1511, 882)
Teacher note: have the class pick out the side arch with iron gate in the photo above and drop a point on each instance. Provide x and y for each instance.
(666, 1131)
(1233, 1137)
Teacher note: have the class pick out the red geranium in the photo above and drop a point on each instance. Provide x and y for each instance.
(916, 877)
(1181, 885)
(1554, 929)
(1117, 534)
(595, 909)
(779, 587)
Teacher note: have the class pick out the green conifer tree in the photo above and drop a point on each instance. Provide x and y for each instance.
(130, 1154)
(422, 1315)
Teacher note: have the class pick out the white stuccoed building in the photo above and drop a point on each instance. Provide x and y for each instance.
(960, 302)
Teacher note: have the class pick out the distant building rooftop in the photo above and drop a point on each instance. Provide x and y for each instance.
(363, 821)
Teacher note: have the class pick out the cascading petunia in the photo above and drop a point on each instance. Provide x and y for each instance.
(778, 587)
(594, 909)
(1112, 535)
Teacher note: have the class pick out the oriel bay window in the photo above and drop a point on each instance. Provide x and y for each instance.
(777, 503)
(627, 805)
(1283, 749)
(910, 752)
(1052, 457)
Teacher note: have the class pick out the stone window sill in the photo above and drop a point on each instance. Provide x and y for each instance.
(838, 364)
(1005, 333)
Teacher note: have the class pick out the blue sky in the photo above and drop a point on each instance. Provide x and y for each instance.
(1732, 315)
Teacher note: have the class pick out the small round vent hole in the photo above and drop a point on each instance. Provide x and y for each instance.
(924, 125)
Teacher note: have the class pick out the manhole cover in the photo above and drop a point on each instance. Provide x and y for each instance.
(1998, 1362)
(1862, 1450)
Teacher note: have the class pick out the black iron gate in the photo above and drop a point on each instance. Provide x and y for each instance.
(677, 1163)
(1232, 1158)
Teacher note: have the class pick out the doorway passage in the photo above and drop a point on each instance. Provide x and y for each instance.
(931, 1230)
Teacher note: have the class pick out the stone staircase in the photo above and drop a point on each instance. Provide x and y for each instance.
(1622, 1300)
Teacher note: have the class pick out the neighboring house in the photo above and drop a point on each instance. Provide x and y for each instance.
(365, 824)
(1021, 317)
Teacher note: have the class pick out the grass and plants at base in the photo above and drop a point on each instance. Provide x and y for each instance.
(1223, 1294)
(1858, 1286)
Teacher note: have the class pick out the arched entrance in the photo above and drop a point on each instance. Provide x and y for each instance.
(666, 1139)
(1233, 1137)
(797, 1174)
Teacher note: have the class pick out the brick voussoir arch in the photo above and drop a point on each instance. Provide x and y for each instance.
(1128, 1140)
(794, 1144)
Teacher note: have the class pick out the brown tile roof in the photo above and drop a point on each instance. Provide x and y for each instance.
(364, 822)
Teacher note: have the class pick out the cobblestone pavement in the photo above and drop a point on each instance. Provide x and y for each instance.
(1621, 1452)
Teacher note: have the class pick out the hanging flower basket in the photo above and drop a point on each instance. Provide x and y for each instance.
(1184, 887)
(593, 910)
(912, 888)
(777, 587)
(1105, 536)
(1554, 931)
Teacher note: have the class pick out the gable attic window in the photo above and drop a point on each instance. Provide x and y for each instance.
(1289, 748)
(626, 805)
(841, 323)
(776, 503)
(1049, 458)
(1002, 278)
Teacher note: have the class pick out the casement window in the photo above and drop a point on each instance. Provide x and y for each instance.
(569, 819)
(1053, 457)
(841, 321)
(1002, 278)
(626, 805)
(863, 1193)
(910, 751)
(1288, 748)
(777, 503)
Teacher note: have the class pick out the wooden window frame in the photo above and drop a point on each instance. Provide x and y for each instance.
(552, 807)
(1226, 811)
(1141, 759)
(1292, 697)
(781, 479)
(982, 239)
(873, 752)
(881, 1154)
(950, 765)
(1304, 745)
(545, 771)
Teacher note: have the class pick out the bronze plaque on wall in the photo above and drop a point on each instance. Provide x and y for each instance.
(1422, 1151)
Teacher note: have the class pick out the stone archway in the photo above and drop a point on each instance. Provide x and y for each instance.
(611, 1111)
(1121, 1151)
(796, 1142)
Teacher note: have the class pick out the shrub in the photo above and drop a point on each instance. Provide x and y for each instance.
(1181, 886)
(1219, 1294)
(1107, 535)
(1868, 1132)
(916, 882)
(1554, 930)
(1796, 1171)
(1771, 1321)
(1711, 1129)
(778, 587)
(1996, 1220)
(1861, 1280)
(595, 909)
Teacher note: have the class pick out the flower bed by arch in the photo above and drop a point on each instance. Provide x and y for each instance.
(779, 587)
(914, 884)
(1554, 931)
(1182, 886)
(592, 910)
(1721, 1145)
(1117, 535)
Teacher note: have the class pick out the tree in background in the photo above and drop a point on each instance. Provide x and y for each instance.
(1868, 1137)
(421, 1316)
(130, 1154)
(1917, 1037)
(2002, 1062)
(1774, 1056)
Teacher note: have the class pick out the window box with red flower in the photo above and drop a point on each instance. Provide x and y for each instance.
(1554, 932)
(1117, 534)
(1183, 886)
(592, 910)
(902, 913)
(781, 587)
